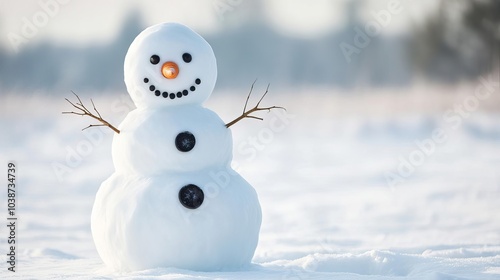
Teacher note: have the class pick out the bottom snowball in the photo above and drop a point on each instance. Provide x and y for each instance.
(139, 223)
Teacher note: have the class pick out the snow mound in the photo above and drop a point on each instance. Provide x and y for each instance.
(49, 253)
(388, 263)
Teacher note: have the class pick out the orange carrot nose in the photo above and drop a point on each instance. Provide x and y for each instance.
(170, 70)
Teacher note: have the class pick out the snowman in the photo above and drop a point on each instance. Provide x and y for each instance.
(173, 200)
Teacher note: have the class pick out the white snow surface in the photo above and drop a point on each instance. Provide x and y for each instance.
(319, 172)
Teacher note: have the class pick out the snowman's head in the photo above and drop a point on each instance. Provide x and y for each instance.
(169, 64)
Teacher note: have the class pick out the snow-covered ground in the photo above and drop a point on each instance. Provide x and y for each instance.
(321, 174)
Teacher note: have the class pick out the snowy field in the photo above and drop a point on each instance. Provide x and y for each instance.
(321, 175)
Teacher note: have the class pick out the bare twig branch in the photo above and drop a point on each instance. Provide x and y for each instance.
(93, 125)
(248, 96)
(75, 113)
(254, 117)
(247, 114)
(85, 112)
(264, 95)
(95, 108)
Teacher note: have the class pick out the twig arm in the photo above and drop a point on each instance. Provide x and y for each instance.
(256, 108)
(85, 112)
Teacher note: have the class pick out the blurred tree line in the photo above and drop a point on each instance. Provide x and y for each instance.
(460, 40)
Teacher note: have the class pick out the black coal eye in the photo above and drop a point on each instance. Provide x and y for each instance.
(187, 57)
(191, 196)
(185, 141)
(154, 59)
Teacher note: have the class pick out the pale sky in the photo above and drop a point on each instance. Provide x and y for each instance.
(90, 21)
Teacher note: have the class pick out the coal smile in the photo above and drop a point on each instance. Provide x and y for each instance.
(172, 95)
